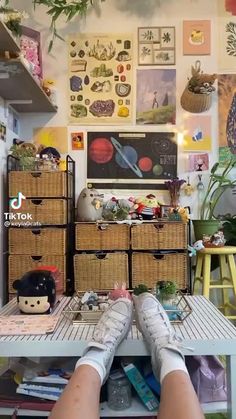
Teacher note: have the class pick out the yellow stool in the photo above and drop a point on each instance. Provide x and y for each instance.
(227, 278)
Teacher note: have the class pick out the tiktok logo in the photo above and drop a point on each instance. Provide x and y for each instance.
(16, 203)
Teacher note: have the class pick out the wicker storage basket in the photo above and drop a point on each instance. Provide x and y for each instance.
(148, 268)
(20, 264)
(49, 241)
(159, 235)
(195, 102)
(105, 236)
(39, 184)
(92, 272)
(44, 211)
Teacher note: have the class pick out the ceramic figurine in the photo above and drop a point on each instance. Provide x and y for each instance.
(119, 292)
(198, 245)
(89, 205)
(36, 292)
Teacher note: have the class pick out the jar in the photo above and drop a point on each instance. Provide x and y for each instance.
(119, 391)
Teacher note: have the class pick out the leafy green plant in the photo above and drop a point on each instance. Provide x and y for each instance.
(140, 289)
(166, 287)
(218, 183)
(229, 228)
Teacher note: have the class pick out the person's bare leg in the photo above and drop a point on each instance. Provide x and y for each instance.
(80, 398)
(178, 398)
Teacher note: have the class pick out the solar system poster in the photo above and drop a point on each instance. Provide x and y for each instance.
(131, 159)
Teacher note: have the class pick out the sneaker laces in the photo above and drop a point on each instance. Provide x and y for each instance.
(109, 331)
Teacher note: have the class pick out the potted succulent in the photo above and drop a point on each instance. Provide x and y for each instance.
(166, 292)
(218, 182)
(139, 289)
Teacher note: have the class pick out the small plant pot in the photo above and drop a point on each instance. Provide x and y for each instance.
(167, 299)
(205, 227)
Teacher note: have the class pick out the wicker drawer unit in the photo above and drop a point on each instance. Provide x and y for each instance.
(40, 184)
(104, 236)
(20, 264)
(93, 272)
(44, 211)
(159, 235)
(148, 268)
(49, 241)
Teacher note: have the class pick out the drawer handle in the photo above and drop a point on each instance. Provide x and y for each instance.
(36, 201)
(36, 258)
(102, 227)
(36, 174)
(36, 232)
(158, 226)
(158, 257)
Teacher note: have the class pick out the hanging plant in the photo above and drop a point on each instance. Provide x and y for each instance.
(68, 9)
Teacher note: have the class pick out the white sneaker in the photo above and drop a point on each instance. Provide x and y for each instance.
(111, 329)
(154, 324)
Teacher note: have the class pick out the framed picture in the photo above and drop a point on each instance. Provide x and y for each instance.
(156, 45)
(196, 37)
(165, 211)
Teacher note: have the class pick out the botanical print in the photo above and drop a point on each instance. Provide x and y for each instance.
(197, 37)
(100, 78)
(227, 117)
(156, 45)
(227, 44)
(156, 101)
(231, 38)
(197, 133)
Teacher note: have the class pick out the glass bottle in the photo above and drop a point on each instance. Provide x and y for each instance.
(119, 391)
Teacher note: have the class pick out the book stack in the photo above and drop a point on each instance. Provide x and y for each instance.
(47, 385)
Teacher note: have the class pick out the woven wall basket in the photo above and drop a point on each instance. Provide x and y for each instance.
(195, 102)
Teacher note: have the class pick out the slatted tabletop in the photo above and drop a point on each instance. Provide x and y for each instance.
(205, 330)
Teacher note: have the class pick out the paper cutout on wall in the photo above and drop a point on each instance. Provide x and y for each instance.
(227, 43)
(197, 37)
(156, 97)
(52, 137)
(100, 78)
(197, 133)
(227, 117)
(198, 162)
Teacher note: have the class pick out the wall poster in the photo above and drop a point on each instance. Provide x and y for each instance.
(197, 133)
(156, 97)
(196, 37)
(227, 44)
(131, 157)
(227, 117)
(100, 78)
(156, 45)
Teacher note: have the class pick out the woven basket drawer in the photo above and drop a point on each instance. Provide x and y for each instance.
(159, 235)
(49, 241)
(91, 272)
(43, 211)
(148, 268)
(38, 184)
(91, 236)
(20, 264)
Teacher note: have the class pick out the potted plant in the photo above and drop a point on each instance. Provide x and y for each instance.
(139, 289)
(218, 182)
(166, 292)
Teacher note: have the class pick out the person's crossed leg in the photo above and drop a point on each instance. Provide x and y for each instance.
(80, 399)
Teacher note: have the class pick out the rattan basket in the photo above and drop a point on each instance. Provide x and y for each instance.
(159, 235)
(49, 241)
(93, 271)
(148, 268)
(44, 211)
(40, 184)
(102, 236)
(20, 264)
(195, 102)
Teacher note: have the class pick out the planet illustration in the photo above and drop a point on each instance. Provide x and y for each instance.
(157, 169)
(126, 157)
(101, 150)
(145, 164)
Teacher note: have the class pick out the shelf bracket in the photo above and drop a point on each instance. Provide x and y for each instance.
(15, 102)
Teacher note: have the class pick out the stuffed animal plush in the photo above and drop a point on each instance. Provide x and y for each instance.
(36, 292)
(201, 82)
(147, 207)
(117, 209)
(89, 205)
(119, 292)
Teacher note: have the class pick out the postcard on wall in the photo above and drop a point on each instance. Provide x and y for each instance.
(226, 117)
(77, 140)
(52, 137)
(227, 44)
(156, 45)
(198, 162)
(197, 133)
(100, 79)
(131, 156)
(196, 37)
(3, 132)
(156, 97)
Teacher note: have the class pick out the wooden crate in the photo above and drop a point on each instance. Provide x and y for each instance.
(102, 236)
(20, 264)
(148, 268)
(37, 242)
(159, 235)
(39, 184)
(44, 211)
(93, 272)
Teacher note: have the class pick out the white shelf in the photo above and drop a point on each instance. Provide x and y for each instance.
(137, 409)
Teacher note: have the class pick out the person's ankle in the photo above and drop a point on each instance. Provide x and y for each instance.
(171, 360)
